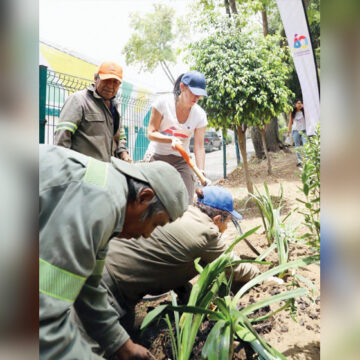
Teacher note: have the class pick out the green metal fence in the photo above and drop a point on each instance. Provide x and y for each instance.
(55, 87)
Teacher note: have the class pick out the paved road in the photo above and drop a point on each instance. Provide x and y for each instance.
(214, 161)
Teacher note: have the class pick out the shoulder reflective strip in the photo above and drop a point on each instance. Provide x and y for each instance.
(67, 123)
(59, 283)
(96, 172)
(99, 267)
(58, 128)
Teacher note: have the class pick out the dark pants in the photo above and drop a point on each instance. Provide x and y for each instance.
(183, 168)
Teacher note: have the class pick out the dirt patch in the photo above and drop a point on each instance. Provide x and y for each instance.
(283, 169)
(248, 209)
(297, 339)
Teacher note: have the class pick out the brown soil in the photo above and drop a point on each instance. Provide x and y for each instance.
(297, 340)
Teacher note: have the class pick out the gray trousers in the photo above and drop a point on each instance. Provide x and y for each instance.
(183, 168)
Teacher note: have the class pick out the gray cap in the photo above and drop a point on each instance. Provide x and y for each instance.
(164, 179)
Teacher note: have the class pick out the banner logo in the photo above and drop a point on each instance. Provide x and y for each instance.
(301, 45)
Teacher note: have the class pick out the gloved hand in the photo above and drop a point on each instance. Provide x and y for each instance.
(207, 181)
(175, 140)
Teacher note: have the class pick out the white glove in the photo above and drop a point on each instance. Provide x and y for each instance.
(207, 181)
(175, 141)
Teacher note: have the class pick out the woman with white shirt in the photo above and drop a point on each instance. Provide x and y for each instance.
(298, 127)
(175, 120)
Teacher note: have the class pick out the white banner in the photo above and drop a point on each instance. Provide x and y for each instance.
(297, 32)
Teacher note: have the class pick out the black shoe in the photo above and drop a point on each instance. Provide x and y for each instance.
(299, 164)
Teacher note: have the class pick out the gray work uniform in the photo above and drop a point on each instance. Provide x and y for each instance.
(82, 204)
(165, 260)
(86, 125)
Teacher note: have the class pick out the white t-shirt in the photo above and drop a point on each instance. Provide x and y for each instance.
(170, 126)
(299, 122)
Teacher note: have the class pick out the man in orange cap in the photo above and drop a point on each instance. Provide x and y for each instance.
(90, 120)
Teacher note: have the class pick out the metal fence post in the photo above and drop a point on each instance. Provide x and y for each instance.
(238, 157)
(42, 102)
(224, 151)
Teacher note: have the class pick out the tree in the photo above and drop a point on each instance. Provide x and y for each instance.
(151, 44)
(272, 24)
(264, 8)
(245, 80)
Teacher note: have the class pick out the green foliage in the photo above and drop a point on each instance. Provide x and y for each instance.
(279, 232)
(153, 38)
(245, 77)
(231, 323)
(228, 138)
(310, 178)
(282, 131)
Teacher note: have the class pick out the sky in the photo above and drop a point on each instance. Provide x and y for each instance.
(99, 30)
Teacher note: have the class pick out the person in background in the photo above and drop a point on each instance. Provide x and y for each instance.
(90, 120)
(297, 127)
(84, 203)
(174, 119)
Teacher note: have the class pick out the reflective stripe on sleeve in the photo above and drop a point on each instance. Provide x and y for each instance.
(66, 125)
(59, 283)
(96, 172)
(122, 135)
(65, 128)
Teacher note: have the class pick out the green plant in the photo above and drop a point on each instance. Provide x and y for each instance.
(282, 131)
(214, 286)
(279, 232)
(204, 291)
(267, 210)
(231, 323)
(228, 138)
(310, 178)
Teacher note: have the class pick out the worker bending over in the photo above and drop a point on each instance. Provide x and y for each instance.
(165, 260)
(85, 202)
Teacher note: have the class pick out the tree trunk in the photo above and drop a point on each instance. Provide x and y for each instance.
(271, 138)
(262, 132)
(264, 22)
(233, 7)
(227, 7)
(242, 145)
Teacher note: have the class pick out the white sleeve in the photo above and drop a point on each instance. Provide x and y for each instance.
(159, 104)
(202, 119)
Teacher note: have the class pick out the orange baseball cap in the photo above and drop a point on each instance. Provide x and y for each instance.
(110, 70)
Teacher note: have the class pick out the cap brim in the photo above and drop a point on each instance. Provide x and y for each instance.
(236, 215)
(109, 76)
(198, 91)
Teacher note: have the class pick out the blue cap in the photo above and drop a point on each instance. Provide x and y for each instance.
(219, 198)
(196, 82)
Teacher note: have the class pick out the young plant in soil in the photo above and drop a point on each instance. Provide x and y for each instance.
(310, 178)
(279, 232)
(211, 296)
